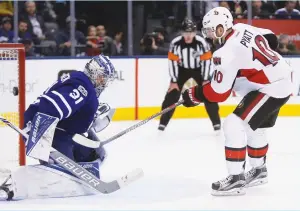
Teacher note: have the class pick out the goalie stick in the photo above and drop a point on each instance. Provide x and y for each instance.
(81, 139)
(83, 174)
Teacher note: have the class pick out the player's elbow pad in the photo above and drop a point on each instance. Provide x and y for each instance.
(272, 40)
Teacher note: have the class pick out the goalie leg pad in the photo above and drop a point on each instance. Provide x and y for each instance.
(41, 135)
(39, 181)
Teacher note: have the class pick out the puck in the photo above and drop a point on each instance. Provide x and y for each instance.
(15, 91)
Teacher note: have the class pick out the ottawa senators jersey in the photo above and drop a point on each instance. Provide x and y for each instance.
(246, 63)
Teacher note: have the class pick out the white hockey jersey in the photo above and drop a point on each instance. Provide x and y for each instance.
(246, 63)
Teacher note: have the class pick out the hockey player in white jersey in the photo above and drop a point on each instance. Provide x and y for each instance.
(246, 64)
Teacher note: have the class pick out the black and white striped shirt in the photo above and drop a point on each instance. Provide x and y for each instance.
(196, 55)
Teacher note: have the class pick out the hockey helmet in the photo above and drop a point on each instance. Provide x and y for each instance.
(188, 25)
(214, 18)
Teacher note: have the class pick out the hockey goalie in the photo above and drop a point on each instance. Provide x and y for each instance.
(70, 106)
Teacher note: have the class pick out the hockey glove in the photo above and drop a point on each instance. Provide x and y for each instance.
(192, 96)
(103, 117)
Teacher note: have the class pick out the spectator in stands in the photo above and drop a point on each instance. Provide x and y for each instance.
(224, 4)
(92, 42)
(289, 11)
(118, 43)
(23, 31)
(257, 11)
(29, 50)
(6, 34)
(154, 43)
(6, 8)
(286, 46)
(106, 43)
(35, 22)
(63, 40)
(238, 9)
(227, 5)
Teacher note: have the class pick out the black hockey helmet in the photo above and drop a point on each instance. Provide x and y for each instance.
(188, 25)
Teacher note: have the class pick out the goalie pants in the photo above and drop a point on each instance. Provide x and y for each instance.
(64, 143)
(174, 95)
(245, 130)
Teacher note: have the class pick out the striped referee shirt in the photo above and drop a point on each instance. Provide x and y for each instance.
(196, 55)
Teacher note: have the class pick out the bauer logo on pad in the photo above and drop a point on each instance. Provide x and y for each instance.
(41, 136)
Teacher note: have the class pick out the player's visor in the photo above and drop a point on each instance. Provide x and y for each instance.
(207, 32)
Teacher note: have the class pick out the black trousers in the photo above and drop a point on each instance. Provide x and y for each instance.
(259, 110)
(174, 95)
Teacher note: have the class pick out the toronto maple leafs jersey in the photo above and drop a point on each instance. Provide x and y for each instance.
(72, 99)
(246, 63)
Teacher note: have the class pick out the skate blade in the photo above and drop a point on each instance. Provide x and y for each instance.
(233, 192)
(258, 182)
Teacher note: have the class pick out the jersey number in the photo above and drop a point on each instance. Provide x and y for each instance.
(218, 76)
(268, 56)
(75, 94)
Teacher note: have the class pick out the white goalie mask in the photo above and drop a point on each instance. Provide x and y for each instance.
(100, 71)
(218, 16)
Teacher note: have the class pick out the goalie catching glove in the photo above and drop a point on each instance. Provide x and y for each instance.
(193, 96)
(102, 118)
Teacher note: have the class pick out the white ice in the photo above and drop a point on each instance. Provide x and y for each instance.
(180, 164)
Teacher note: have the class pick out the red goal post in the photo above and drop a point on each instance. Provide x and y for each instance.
(12, 74)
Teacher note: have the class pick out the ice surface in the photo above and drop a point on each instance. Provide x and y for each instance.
(180, 164)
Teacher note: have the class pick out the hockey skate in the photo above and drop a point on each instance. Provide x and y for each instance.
(161, 127)
(230, 186)
(217, 129)
(257, 176)
(5, 193)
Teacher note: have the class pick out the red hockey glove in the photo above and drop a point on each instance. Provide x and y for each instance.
(192, 96)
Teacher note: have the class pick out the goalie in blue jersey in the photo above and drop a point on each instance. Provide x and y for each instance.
(72, 102)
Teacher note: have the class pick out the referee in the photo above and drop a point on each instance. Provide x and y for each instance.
(189, 57)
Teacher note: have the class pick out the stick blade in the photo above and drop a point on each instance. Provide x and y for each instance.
(188, 84)
(130, 177)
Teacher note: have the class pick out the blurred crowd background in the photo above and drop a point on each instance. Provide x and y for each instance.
(121, 28)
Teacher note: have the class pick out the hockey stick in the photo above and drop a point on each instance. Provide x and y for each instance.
(95, 144)
(142, 122)
(189, 83)
(83, 174)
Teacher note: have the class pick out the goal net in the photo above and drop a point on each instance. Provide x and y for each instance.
(12, 75)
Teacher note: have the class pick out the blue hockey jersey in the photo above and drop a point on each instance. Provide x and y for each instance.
(72, 99)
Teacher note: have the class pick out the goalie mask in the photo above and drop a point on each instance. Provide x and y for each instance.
(100, 71)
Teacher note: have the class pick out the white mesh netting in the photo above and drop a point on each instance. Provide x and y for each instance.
(9, 107)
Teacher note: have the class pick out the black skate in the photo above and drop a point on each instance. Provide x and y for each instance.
(217, 129)
(161, 127)
(257, 176)
(5, 193)
(230, 186)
